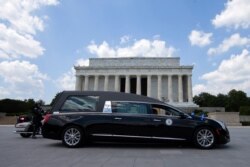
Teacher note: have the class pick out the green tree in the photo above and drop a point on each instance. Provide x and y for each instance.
(205, 100)
(221, 100)
(236, 99)
(12, 106)
(30, 103)
(248, 101)
(41, 102)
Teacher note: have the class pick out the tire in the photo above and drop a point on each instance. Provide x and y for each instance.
(204, 138)
(25, 135)
(72, 137)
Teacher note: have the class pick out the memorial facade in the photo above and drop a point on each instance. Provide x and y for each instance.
(161, 78)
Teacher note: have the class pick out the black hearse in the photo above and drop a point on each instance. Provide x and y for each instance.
(77, 117)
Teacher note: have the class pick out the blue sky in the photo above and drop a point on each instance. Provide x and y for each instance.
(41, 41)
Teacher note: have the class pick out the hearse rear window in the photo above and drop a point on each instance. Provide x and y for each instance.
(80, 103)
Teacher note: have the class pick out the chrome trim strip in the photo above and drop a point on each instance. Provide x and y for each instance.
(102, 135)
(19, 132)
(75, 112)
(169, 138)
(142, 137)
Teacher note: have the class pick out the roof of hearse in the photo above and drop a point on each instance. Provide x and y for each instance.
(119, 96)
(104, 96)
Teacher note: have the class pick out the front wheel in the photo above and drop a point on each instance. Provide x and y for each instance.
(72, 137)
(25, 135)
(204, 138)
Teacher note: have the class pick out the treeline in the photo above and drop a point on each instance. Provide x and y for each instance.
(231, 101)
(17, 107)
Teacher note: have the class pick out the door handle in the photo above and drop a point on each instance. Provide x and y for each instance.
(118, 118)
(156, 120)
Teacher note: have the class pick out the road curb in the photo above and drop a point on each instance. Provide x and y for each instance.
(7, 125)
(238, 126)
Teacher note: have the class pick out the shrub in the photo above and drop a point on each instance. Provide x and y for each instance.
(200, 112)
(245, 110)
(245, 123)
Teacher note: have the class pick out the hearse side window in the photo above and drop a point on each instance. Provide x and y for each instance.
(164, 110)
(130, 107)
(80, 103)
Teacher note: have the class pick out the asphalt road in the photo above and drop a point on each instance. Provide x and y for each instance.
(16, 151)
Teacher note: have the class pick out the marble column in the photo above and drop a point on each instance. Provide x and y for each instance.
(138, 84)
(149, 86)
(106, 82)
(96, 82)
(78, 85)
(170, 89)
(180, 89)
(159, 88)
(127, 84)
(86, 82)
(117, 83)
(190, 96)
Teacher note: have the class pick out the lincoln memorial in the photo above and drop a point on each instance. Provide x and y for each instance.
(161, 78)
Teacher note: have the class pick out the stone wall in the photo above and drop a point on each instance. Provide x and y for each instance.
(212, 109)
(244, 118)
(230, 118)
(10, 120)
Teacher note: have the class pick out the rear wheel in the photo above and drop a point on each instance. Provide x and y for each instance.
(72, 137)
(204, 138)
(25, 135)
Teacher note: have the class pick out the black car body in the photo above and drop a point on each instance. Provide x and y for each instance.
(80, 116)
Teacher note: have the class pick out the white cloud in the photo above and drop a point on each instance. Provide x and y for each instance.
(101, 51)
(234, 41)
(200, 38)
(125, 39)
(21, 79)
(13, 44)
(4, 92)
(82, 62)
(18, 25)
(141, 48)
(199, 88)
(232, 73)
(67, 80)
(19, 14)
(236, 14)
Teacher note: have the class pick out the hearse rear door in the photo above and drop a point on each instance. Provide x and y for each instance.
(131, 119)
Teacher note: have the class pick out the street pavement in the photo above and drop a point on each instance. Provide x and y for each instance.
(16, 151)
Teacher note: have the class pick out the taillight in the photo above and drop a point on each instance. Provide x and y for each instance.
(46, 118)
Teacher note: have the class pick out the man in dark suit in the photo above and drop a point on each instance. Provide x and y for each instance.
(37, 118)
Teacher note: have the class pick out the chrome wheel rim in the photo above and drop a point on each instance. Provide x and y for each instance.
(72, 136)
(205, 138)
